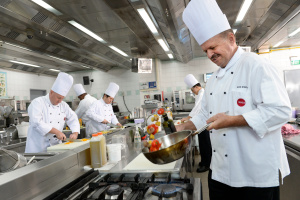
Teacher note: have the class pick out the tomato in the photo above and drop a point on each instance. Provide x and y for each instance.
(155, 145)
(160, 111)
(152, 129)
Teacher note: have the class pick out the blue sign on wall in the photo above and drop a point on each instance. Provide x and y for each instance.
(152, 84)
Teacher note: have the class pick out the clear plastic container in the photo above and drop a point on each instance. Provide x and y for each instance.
(95, 151)
(103, 148)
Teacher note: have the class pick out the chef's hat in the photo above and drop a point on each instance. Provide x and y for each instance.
(204, 19)
(62, 84)
(79, 89)
(190, 80)
(112, 89)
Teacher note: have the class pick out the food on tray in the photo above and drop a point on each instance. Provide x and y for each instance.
(152, 129)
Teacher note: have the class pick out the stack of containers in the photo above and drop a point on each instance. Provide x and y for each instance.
(98, 150)
(102, 148)
(95, 151)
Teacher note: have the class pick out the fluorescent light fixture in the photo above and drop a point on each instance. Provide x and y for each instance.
(85, 66)
(14, 45)
(243, 11)
(294, 32)
(60, 59)
(163, 44)
(147, 20)
(21, 63)
(47, 7)
(87, 31)
(234, 30)
(279, 43)
(118, 50)
(170, 56)
(56, 70)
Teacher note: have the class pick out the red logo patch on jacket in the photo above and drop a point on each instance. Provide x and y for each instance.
(241, 102)
(64, 119)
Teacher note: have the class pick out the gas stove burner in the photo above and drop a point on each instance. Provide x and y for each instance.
(113, 190)
(164, 190)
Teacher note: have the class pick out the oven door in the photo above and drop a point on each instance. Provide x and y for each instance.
(188, 100)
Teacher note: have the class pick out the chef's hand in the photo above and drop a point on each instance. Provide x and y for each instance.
(222, 120)
(186, 126)
(120, 125)
(105, 121)
(74, 135)
(60, 136)
(185, 119)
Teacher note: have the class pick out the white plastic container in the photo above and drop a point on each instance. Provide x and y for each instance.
(114, 152)
(23, 129)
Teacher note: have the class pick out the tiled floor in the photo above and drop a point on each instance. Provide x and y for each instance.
(203, 177)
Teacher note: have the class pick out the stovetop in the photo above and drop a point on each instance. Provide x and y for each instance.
(94, 186)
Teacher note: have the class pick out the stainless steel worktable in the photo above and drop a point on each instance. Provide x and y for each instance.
(131, 154)
(40, 179)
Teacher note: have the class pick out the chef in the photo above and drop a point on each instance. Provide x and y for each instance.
(47, 116)
(101, 112)
(86, 101)
(246, 103)
(203, 137)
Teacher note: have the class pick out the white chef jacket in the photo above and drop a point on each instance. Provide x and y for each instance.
(83, 106)
(197, 106)
(97, 112)
(250, 155)
(43, 116)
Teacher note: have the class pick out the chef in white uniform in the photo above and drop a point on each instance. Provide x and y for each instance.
(202, 139)
(247, 104)
(86, 101)
(198, 91)
(101, 112)
(47, 116)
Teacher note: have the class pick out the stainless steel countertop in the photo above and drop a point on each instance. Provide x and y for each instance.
(292, 140)
(131, 154)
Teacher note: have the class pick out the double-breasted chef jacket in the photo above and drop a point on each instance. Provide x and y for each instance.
(43, 116)
(250, 155)
(83, 106)
(97, 112)
(197, 107)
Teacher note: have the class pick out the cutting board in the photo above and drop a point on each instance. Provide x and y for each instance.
(66, 146)
(142, 163)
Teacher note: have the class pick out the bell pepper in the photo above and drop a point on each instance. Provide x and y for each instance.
(155, 146)
(152, 129)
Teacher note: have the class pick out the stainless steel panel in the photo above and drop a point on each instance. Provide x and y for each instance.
(290, 188)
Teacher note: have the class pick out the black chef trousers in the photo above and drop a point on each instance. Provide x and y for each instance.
(220, 191)
(205, 148)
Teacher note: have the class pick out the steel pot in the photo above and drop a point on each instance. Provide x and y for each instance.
(173, 146)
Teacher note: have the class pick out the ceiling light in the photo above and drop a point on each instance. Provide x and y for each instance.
(14, 45)
(47, 7)
(243, 11)
(60, 59)
(294, 32)
(234, 31)
(118, 50)
(147, 20)
(21, 63)
(170, 56)
(56, 70)
(85, 66)
(279, 43)
(163, 44)
(87, 31)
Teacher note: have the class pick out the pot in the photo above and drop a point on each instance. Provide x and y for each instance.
(173, 146)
